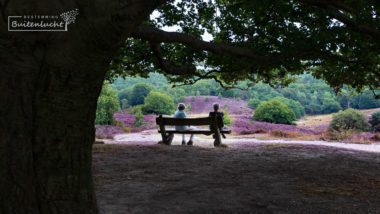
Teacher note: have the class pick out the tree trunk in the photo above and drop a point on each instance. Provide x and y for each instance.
(49, 84)
(46, 132)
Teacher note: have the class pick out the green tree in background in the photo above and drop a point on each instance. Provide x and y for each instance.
(375, 121)
(158, 103)
(295, 106)
(253, 103)
(108, 104)
(138, 93)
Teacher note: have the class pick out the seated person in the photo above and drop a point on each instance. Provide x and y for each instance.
(219, 117)
(180, 113)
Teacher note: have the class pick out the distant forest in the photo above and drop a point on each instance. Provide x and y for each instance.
(313, 94)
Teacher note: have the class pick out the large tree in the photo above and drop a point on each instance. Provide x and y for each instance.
(50, 81)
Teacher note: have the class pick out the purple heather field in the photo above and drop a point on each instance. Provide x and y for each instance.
(241, 116)
(238, 110)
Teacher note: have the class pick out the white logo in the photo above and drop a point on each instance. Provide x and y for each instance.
(42, 22)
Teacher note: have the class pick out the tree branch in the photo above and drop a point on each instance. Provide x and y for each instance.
(333, 5)
(168, 66)
(156, 35)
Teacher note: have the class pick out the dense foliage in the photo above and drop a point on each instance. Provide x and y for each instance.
(108, 104)
(315, 96)
(158, 103)
(375, 121)
(349, 119)
(274, 111)
(138, 93)
(262, 41)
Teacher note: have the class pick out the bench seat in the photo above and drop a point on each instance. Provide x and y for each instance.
(204, 131)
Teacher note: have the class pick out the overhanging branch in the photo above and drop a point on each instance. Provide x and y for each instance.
(157, 36)
(169, 67)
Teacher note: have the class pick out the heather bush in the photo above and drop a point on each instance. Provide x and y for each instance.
(158, 103)
(338, 135)
(375, 121)
(135, 109)
(376, 137)
(274, 111)
(284, 134)
(348, 119)
(108, 104)
(107, 131)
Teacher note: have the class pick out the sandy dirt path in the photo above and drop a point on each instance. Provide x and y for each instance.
(255, 178)
(151, 137)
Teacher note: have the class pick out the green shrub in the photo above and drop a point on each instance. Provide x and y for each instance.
(375, 121)
(135, 109)
(295, 106)
(274, 111)
(139, 118)
(158, 103)
(338, 135)
(349, 119)
(108, 104)
(253, 103)
(227, 120)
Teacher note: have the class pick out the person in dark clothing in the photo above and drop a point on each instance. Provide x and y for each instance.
(219, 117)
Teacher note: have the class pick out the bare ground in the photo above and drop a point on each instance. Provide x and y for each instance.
(256, 178)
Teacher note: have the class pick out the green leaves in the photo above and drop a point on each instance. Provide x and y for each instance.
(158, 103)
(335, 41)
(108, 104)
(274, 111)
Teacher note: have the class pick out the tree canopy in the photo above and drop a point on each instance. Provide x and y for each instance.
(336, 40)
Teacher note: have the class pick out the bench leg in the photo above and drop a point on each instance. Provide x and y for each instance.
(218, 139)
(168, 139)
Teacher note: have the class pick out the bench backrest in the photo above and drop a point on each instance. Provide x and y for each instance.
(169, 121)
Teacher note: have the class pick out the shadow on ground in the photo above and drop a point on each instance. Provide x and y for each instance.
(268, 178)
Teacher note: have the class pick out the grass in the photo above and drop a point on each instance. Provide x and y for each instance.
(320, 120)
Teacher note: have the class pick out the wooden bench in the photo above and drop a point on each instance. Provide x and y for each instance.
(167, 134)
